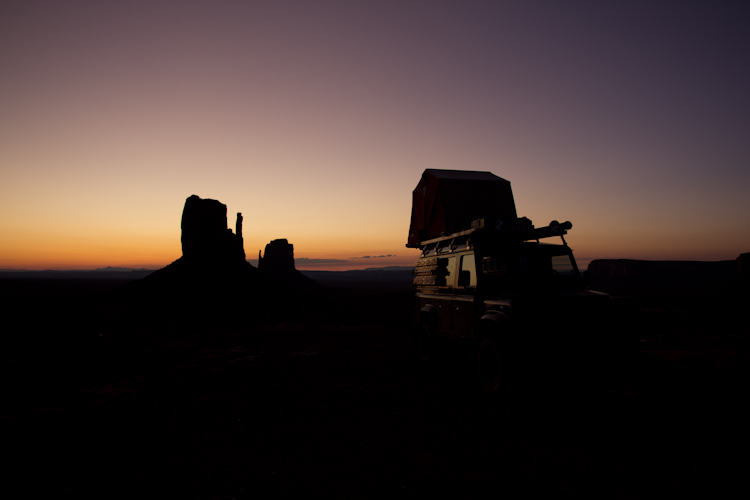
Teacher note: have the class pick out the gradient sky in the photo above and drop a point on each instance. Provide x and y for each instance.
(316, 119)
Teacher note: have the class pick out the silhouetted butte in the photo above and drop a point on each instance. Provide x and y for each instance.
(213, 259)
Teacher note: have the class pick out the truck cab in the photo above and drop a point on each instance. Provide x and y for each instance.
(517, 298)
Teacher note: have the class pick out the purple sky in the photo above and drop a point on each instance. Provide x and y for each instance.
(316, 120)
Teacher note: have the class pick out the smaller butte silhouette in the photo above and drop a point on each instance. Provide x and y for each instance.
(279, 257)
(276, 265)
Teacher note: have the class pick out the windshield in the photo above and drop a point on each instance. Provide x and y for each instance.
(562, 265)
(531, 267)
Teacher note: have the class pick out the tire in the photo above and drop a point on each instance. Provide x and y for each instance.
(490, 366)
(425, 344)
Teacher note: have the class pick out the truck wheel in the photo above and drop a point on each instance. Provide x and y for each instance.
(425, 344)
(490, 366)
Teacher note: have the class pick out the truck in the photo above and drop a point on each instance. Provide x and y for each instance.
(511, 293)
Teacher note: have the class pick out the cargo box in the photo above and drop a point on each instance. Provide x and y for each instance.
(447, 201)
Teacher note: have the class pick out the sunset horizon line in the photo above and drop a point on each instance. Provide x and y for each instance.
(329, 265)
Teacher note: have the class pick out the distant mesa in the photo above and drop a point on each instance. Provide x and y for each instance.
(668, 278)
(110, 269)
(743, 265)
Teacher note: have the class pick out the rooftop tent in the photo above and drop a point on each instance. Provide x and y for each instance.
(447, 201)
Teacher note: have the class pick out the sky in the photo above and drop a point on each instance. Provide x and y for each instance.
(316, 119)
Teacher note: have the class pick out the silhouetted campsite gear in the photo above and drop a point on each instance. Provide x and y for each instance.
(486, 281)
(446, 201)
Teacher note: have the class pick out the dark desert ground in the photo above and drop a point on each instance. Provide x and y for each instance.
(336, 124)
(110, 394)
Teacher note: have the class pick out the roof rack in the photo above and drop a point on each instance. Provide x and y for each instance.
(520, 230)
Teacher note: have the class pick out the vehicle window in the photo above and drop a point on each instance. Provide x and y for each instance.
(491, 265)
(446, 271)
(562, 265)
(468, 274)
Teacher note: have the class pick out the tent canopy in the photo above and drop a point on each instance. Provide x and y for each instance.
(447, 201)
